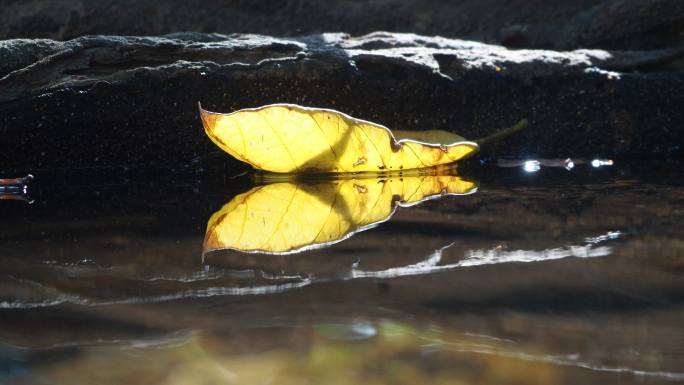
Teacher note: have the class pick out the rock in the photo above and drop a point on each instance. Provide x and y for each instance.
(608, 24)
(132, 101)
(21, 53)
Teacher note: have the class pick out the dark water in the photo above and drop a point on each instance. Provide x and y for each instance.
(553, 276)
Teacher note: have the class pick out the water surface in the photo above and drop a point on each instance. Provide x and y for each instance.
(523, 273)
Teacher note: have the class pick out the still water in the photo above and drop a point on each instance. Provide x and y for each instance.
(513, 272)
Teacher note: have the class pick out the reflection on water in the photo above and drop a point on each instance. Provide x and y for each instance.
(15, 188)
(534, 165)
(261, 282)
(553, 277)
(487, 257)
(351, 352)
(290, 217)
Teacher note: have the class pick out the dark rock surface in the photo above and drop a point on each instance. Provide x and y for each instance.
(132, 101)
(567, 24)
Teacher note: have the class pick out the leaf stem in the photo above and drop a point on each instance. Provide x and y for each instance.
(504, 133)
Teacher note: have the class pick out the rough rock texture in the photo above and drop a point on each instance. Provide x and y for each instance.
(126, 101)
(567, 24)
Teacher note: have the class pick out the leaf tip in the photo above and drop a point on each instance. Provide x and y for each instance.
(206, 116)
(210, 242)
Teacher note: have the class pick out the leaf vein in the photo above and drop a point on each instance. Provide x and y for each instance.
(361, 128)
(282, 216)
(294, 162)
(332, 207)
(414, 153)
(337, 159)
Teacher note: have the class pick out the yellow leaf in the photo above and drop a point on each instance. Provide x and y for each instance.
(288, 138)
(287, 217)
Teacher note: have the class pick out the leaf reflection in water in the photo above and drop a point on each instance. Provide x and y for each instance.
(293, 216)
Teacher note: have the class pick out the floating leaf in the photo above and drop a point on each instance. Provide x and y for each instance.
(288, 138)
(287, 217)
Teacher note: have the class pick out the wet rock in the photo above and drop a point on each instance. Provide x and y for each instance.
(132, 101)
(614, 24)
